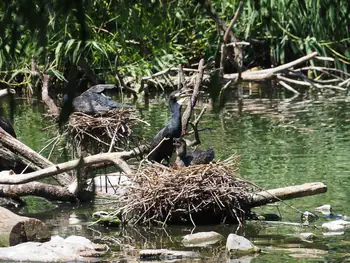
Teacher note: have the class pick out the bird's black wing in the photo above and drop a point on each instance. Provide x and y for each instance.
(7, 126)
(163, 133)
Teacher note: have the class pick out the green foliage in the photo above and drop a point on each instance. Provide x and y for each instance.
(291, 28)
(154, 35)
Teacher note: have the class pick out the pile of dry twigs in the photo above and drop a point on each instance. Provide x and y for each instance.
(97, 133)
(188, 195)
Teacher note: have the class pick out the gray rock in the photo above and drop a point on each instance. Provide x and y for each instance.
(167, 254)
(346, 217)
(326, 234)
(307, 237)
(237, 245)
(336, 225)
(58, 249)
(244, 259)
(201, 239)
(324, 209)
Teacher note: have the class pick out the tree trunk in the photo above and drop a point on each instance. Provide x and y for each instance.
(16, 229)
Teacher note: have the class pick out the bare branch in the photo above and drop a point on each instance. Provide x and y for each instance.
(45, 88)
(194, 125)
(117, 158)
(188, 112)
(233, 21)
(282, 83)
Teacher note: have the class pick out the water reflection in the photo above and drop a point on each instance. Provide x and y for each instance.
(282, 142)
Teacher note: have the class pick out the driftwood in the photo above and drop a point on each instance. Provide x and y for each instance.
(16, 229)
(285, 193)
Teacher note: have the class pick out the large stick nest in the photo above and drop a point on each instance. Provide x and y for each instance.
(100, 132)
(210, 192)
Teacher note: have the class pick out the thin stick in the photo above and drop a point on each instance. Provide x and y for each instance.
(282, 83)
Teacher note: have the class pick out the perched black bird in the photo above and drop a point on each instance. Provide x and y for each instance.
(6, 125)
(92, 101)
(185, 158)
(162, 146)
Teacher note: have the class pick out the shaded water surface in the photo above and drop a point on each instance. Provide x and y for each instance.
(281, 143)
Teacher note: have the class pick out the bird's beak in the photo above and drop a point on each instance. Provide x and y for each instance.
(182, 95)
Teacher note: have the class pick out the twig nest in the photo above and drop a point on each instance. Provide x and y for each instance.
(100, 132)
(208, 193)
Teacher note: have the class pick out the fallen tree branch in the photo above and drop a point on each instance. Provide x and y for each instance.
(48, 191)
(117, 158)
(282, 83)
(285, 193)
(324, 70)
(24, 152)
(309, 83)
(268, 73)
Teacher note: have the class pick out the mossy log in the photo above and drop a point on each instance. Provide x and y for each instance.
(15, 229)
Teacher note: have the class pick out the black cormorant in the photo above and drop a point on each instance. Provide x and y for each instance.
(6, 125)
(92, 101)
(172, 130)
(185, 158)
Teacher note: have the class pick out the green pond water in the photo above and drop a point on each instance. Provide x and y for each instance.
(282, 142)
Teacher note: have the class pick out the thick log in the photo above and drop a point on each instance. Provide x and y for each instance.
(47, 191)
(285, 193)
(16, 229)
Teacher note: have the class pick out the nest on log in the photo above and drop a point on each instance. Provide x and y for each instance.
(198, 194)
(98, 133)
